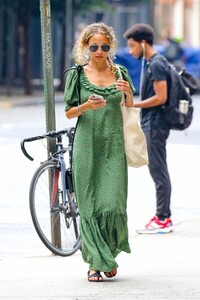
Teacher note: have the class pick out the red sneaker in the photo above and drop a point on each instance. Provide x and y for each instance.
(157, 226)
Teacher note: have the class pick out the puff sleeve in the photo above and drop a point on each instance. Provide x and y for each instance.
(71, 90)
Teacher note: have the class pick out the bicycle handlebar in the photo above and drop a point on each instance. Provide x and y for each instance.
(51, 134)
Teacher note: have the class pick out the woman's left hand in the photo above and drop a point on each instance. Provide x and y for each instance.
(123, 86)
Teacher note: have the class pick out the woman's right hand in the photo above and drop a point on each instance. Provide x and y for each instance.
(90, 104)
(95, 103)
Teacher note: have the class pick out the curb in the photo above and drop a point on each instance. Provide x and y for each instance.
(29, 101)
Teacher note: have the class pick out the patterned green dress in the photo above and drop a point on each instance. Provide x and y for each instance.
(100, 173)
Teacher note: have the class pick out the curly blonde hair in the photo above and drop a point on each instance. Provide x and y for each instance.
(80, 51)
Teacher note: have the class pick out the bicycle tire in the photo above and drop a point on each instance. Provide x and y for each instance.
(57, 226)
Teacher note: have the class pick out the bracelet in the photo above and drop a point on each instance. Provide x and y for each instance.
(80, 110)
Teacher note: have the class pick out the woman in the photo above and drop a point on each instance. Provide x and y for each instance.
(99, 162)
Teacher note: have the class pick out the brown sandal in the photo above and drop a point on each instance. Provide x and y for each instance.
(97, 275)
(111, 274)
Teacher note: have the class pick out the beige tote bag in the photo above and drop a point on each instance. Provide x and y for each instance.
(134, 138)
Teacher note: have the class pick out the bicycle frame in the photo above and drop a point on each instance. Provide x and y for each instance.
(59, 157)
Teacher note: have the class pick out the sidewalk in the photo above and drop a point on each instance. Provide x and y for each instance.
(159, 267)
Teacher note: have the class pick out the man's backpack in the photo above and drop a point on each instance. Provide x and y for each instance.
(180, 87)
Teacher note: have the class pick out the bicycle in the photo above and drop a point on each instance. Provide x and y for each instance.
(52, 199)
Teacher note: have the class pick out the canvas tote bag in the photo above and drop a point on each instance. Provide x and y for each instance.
(134, 138)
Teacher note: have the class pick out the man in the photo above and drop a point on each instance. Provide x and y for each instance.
(140, 38)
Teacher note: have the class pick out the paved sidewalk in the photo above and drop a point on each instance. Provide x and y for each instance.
(159, 267)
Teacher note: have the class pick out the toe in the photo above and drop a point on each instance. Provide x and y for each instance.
(94, 276)
(111, 273)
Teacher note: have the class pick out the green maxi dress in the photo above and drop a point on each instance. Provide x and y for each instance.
(100, 173)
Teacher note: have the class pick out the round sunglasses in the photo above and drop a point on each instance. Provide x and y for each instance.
(94, 48)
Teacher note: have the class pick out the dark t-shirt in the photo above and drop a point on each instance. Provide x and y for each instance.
(152, 118)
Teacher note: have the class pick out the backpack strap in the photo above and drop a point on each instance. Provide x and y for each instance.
(156, 57)
(168, 65)
(79, 68)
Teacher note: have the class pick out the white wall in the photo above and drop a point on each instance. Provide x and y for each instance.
(194, 24)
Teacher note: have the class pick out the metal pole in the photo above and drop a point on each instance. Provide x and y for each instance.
(45, 14)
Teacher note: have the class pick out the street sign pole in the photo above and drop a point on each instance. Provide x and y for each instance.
(45, 14)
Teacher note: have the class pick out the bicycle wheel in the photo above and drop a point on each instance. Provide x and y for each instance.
(57, 225)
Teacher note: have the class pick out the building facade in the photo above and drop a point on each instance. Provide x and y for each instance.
(181, 18)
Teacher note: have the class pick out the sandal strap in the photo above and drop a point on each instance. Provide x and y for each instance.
(97, 274)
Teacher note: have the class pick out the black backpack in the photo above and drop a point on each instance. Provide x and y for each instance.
(180, 87)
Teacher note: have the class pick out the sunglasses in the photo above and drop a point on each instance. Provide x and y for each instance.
(94, 48)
